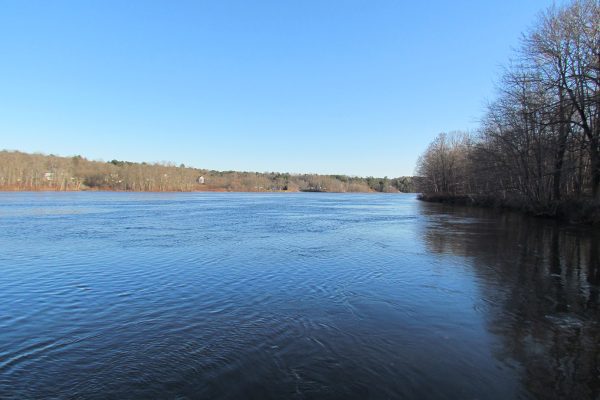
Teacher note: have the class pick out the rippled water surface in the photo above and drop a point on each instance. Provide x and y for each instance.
(120, 295)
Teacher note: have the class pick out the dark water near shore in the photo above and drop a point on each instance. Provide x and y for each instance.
(118, 295)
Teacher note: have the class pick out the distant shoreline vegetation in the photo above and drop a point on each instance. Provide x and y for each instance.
(37, 172)
(538, 146)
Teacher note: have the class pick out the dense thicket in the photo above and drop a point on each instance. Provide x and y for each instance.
(22, 171)
(538, 146)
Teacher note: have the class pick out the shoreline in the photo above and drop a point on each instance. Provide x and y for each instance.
(217, 190)
(578, 212)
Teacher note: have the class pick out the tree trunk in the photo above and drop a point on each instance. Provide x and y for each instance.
(563, 132)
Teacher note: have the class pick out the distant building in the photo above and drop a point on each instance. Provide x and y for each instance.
(49, 176)
(201, 180)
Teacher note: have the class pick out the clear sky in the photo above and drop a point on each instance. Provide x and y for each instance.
(352, 87)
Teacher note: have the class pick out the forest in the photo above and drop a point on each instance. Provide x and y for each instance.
(537, 147)
(23, 171)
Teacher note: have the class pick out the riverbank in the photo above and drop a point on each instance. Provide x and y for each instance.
(195, 190)
(109, 189)
(577, 211)
(37, 172)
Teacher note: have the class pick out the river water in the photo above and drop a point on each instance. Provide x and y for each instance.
(328, 296)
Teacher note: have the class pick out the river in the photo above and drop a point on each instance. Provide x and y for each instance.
(300, 296)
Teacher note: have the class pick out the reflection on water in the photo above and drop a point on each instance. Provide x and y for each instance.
(540, 282)
(134, 295)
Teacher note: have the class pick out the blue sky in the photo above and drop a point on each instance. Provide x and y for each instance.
(352, 87)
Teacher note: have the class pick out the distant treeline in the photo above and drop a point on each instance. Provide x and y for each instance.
(538, 146)
(22, 171)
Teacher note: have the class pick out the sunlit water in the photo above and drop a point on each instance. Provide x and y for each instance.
(128, 296)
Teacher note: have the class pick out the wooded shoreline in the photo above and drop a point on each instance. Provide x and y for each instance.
(537, 148)
(575, 211)
(38, 172)
(203, 190)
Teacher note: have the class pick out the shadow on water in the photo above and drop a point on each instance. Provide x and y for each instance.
(540, 284)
